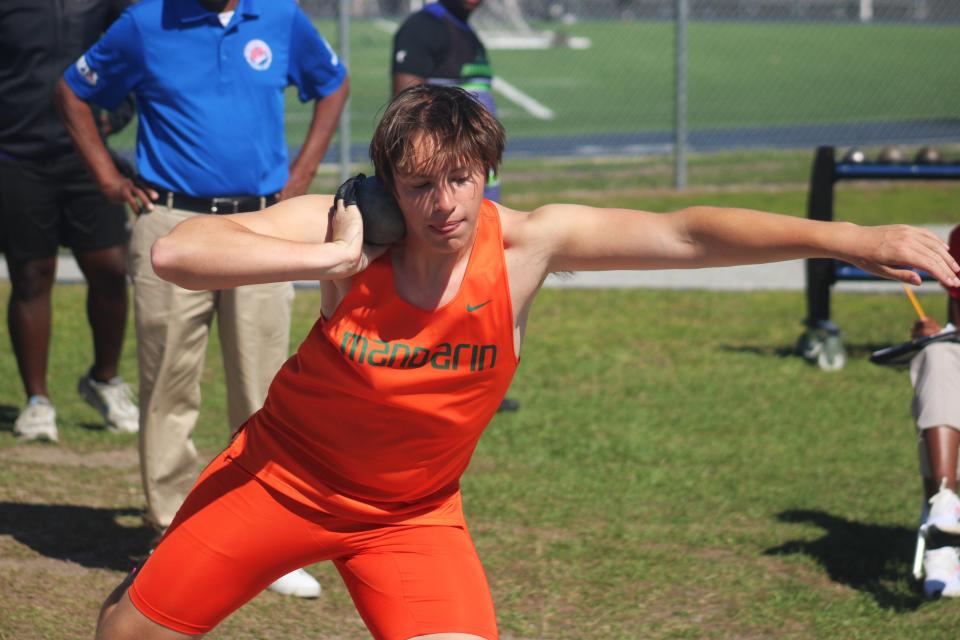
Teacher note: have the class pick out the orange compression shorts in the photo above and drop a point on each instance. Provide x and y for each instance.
(233, 536)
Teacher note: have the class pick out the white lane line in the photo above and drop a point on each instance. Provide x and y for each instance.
(383, 24)
(522, 100)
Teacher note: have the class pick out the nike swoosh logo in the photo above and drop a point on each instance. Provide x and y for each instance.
(471, 308)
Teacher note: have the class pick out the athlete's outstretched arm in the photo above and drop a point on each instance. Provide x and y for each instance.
(302, 238)
(580, 238)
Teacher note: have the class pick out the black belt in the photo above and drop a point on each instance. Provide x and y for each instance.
(222, 205)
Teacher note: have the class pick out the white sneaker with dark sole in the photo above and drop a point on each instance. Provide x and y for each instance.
(37, 421)
(114, 401)
(941, 569)
(298, 584)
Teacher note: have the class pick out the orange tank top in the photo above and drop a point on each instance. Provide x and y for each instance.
(376, 416)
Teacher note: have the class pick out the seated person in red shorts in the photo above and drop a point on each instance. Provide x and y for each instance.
(357, 453)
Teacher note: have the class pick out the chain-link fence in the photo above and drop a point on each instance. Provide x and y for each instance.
(598, 77)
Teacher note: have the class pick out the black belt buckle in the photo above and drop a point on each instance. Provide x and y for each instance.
(224, 205)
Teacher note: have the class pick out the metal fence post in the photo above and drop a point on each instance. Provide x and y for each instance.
(680, 97)
(343, 35)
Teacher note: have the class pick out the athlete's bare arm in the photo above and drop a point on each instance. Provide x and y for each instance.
(302, 238)
(578, 238)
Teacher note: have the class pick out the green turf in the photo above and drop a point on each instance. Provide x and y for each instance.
(740, 74)
(674, 472)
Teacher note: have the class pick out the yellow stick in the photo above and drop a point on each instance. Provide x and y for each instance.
(913, 300)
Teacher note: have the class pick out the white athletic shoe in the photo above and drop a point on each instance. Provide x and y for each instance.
(114, 401)
(37, 421)
(944, 512)
(941, 568)
(299, 584)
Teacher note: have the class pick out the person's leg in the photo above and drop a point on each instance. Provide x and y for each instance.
(172, 326)
(106, 273)
(942, 444)
(30, 233)
(101, 386)
(29, 238)
(120, 620)
(419, 582)
(98, 232)
(935, 374)
(29, 319)
(254, 325)
(231, 538)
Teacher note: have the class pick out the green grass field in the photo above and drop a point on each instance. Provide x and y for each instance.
(740, 74)
(674, 471)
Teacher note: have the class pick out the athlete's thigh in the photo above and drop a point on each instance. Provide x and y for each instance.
(418, 580)
(231, 538)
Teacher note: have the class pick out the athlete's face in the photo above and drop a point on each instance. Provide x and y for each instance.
(440, 206)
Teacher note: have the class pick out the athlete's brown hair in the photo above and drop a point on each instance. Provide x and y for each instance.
(459, 131)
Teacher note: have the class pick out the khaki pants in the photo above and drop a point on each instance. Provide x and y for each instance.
(935, 374)
(173, 325)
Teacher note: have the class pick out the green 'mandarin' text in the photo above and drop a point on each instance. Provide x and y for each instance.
(400, 355)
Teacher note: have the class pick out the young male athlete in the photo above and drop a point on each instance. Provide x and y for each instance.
(357, 453)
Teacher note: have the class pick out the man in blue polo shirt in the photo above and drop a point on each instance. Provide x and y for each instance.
(209, 79)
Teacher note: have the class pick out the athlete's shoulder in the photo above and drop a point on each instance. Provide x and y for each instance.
(515, 225)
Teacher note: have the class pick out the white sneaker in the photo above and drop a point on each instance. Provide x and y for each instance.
(297, 583)
(37, 421)
(944, 512)
(114, 401)
(941, 568)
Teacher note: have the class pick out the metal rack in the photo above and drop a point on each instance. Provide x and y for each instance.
(822, 341)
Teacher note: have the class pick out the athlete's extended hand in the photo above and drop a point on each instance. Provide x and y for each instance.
(123, 190)
(888, 251)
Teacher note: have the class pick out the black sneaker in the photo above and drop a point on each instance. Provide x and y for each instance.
(508, 404)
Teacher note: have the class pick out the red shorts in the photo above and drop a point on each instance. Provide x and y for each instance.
(233, 536)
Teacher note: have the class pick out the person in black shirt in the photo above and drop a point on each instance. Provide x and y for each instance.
(48, 199)
(437, 46)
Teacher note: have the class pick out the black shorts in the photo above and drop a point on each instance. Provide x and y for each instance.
(44, 206)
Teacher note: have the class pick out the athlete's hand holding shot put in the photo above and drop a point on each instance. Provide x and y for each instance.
(357, 452)
(305, 238)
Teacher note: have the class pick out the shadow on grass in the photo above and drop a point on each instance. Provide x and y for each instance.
(88, 536)
(8, 414)
(855, 351)
(874, 559)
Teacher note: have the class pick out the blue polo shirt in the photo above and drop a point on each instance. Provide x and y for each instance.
(210, 98)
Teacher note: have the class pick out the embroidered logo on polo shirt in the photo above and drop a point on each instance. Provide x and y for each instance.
(84, 70)
(258, 54)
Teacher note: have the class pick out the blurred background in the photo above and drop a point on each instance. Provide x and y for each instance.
(598, 78)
